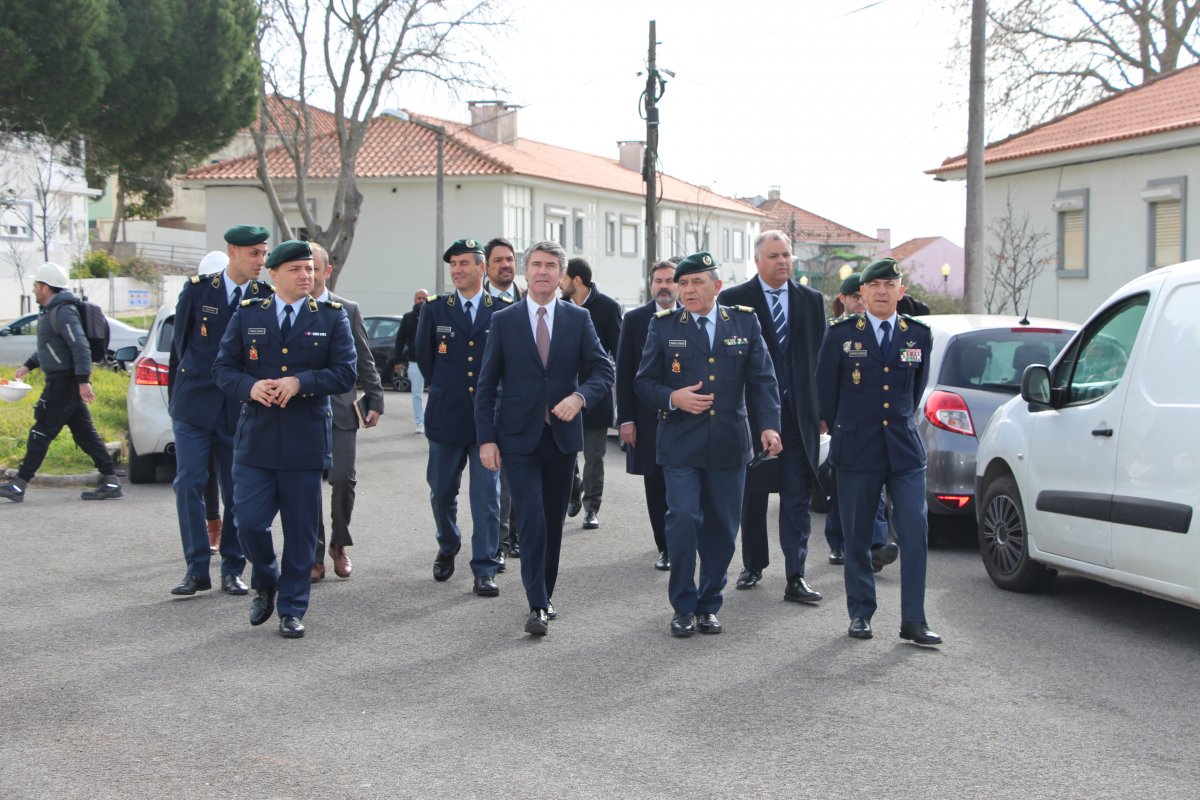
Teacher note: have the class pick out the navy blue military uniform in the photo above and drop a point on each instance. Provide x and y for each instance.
(449, 351)
(704, 456)
(281, 451)
(868, 399)
(203, 417)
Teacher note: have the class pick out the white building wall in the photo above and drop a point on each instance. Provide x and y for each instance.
(1118, 227)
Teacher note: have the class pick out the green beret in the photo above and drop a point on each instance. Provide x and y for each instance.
(887, 269)
(463, 246)
(246, 235)
(696, 262)
(852, 283)
(291, 250)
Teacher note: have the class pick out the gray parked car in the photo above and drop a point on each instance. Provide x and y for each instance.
(975, 367)
(18, 339)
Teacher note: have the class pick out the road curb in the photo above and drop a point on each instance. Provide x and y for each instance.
(83, 479)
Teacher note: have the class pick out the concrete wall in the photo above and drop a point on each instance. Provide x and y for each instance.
(1118, 231)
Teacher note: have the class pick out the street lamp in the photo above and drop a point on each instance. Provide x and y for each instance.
(946, 278)
(844, 271)
(404, 116)
(804, 280)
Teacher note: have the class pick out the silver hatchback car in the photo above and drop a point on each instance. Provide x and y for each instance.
(975, 367)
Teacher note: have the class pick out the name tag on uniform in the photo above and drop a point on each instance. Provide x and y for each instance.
(677, 343)
(444, 329)
(735, 341)
(256, 331)
(315, 333)
(211, 310)
(911, 356)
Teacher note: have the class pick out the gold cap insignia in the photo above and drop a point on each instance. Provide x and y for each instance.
(707, 261)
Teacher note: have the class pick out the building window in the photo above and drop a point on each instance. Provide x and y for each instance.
(668, 232)
(577, 227)
(16, 220)
(629, 236)
(610, 234)
(518, 216)
(1072, 208)
(739, 245)
(726, 244)
(1165, 209)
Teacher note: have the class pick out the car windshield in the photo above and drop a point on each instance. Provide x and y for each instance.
(995, 360)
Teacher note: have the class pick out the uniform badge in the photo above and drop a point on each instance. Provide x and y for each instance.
(442, 347)
(856, 376)
(861, 324)
(857, 352)
(846, 346)
(911, 356)
(903, 325)
(253, 353)
(203, 329)
(675, 365)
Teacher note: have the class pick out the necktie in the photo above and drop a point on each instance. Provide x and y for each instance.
(778, 318)
(703, 322)
(237, 298)
(543, 345)
(885, 341)
(467, 311)
(286, 328)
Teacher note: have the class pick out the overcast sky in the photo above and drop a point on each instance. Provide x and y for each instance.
(841, 103)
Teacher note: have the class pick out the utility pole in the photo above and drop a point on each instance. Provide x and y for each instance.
(650, 156)
(975, 273)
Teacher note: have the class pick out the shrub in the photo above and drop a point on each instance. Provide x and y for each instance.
(96, 264)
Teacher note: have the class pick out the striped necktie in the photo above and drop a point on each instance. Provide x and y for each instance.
(778, 318)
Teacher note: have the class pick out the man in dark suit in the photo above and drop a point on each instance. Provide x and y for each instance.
(636, 419)
(342, 476)
(792, 318)
(451, 339)
(203, 417)
(542, 367)
(283, 358)
(700, 368)
(501, 275)
(587, 492)
(871, 372)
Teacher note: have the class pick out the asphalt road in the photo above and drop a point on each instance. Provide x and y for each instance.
(406, 688)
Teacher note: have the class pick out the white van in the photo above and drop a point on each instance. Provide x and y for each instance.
(1095, 468)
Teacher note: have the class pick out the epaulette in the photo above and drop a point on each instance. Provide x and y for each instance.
(666, 312)
(264, 303)
(431, 298)
(502, 299)
(245, 303)
(913, 320)
(842, 320)
(746, 309)
(202, 278)
(330, 303)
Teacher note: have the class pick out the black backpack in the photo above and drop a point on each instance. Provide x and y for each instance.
(95, 327)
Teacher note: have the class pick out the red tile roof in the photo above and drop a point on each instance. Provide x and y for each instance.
(805, 226)
(1166, 103)
(395, 148)
(910, 248)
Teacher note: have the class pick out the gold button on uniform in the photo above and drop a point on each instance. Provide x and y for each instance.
(885, 423)
(885, 387)
(887, 369)
(712, 412)
(285, 351)
(471, 343)
(470, 358)
(283, 368)
(887, 405)
(712, 360)
(470, 374)
(712, 377)
(470, 388)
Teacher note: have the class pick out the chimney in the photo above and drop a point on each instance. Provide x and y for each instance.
(631, 155)
(772, 192)
(494, 120)
(884, 235)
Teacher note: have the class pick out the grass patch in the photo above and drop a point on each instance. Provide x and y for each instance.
(64, 458)
(137, 320)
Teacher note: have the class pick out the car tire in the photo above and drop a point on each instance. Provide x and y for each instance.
(1004, 540)
(400, 382)
(142, 469)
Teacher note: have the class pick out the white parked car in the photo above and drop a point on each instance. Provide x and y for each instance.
(18, 339)
(1095, 468)
(151, 439)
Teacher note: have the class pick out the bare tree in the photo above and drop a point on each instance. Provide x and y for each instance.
(363, 51)
(1047, 57)
(1017, 254)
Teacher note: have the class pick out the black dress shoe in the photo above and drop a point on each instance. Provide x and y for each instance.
(262, 606)
(591, 521)
(683, 625)
(798, 591)
(860, 628)
(514, 549)
(550, 612)
(918, 632)
(500, 560)
(192, 584)
(837, 556)
(536, 624)
(291, 627)
(749, 578)
(443, 565)
(708, 623)
(663, 562)
(574, 507)
(232, 584)
(883, 555)
(486, 587)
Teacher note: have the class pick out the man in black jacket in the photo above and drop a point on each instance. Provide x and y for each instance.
(63, 355)
(587, 492)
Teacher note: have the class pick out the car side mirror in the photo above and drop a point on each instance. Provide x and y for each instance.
(1035, 387)
(126, 354)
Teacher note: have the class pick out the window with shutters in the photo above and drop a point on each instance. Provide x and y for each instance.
(518, 216)
(1072, 210)
(1165, 201)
